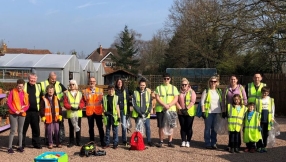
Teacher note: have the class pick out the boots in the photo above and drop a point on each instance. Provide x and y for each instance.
(236, 150)
(231, 150)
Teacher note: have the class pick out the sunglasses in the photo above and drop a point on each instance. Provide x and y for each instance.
(166, 78)
(92, 81)
(213, 81)
(184, 84)
(71, 84)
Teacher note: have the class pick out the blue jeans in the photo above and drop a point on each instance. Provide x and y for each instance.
(124, 130)
(210, 134)
(115, 132)
(147, 128)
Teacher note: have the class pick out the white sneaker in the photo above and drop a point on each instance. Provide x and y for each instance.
(187, 144)
(183, 144)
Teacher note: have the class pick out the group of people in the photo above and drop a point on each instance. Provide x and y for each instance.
(251, 110)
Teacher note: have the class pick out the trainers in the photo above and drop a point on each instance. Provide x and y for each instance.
(10, 151)
(125, 144)
(170, 144)
(70, 145)
(183, 144)
(208, 147)
(236, 150)
(246, 150)
(259, 149)
(214, 146)
(115, 147)
(20, 149)
(231, 150)
(264, 149)
(160, 144)
(187, 144)
(151, 144)
(252, 150)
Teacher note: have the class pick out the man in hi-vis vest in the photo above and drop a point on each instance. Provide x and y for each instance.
(167, 97)
(253, 90)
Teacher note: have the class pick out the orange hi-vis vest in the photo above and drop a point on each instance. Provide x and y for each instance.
(93, 101)
(48, 110)
(16, 101)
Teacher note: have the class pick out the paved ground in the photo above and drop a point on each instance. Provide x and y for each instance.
(196, 152)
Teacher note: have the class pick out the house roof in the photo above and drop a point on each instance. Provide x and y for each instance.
(100, 54)
(114, 71)
(27, 51)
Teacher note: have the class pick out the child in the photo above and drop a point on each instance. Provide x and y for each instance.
(251, 129)
(265, 106)
(111, 116)
(236, 112)
(51, 114)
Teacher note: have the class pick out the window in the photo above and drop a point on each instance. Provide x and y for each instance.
(70, 75)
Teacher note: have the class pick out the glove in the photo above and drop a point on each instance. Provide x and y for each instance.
(224, 115)
(118, 119)
(74, 108)
(204, 115)
(271, 124)
(185, 112)
(107, 113)
(60, 118)
(259, 128)
(43, 119)
(146, 114)
(140, 115)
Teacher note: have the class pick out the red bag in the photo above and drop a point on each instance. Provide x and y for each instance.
(137, 142)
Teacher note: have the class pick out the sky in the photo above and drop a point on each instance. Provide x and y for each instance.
(80, 25)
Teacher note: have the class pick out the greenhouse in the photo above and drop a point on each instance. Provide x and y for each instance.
(15, 66)
(87, 70)
(99, 71)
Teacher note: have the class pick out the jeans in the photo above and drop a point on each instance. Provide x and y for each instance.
(124, 130)
(210, 134)
(115, 132)
(147, 128)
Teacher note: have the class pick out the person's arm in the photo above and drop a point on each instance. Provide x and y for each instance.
(60, 108)
(243, 95)
(67, 105)
(150, 104)
(193, 99)
(118, 111)
(81, 104)
(158, 99)
(203, 98)
(246, 91)
(64, 89)
(127, 101)
(273, 110)
(135, 106)
(224, 99)
(9, 102)
(42, 108)
(175, 100)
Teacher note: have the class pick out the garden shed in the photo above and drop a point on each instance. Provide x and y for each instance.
(110, 78)
(87, 70)
(99, 72)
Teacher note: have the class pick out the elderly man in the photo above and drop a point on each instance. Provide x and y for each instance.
(254, 88)
(32, 114)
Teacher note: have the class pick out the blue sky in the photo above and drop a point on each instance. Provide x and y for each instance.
(63, 25)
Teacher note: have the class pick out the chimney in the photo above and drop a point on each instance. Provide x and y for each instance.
(100, 50)
(4, 46)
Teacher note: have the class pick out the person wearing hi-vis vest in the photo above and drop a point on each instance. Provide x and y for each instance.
(251, 128)
(93, 109)
(111, 116)
(167, 97)
(211, 102)
(51, 115)
(236, 112)
(33, 116)
(73, 102)
(186, 111)
(266, 107)
(123, 100)
(18, 103)
(253, 90)
(142, 105)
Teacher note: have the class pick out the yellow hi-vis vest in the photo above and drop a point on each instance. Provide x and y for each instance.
(166, 97)
(38, 92)
(74, 102)
(191, 110)
(208, 100)
(251, 132)
(125, 102)
(58, 88)
(252, 93)
(138, 103)
(115, 115)
(235, 119)
(258, 104)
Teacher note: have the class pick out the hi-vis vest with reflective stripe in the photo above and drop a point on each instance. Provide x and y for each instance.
(124, 102)
(208, 100)
(48, 110)
(251, 132)
(258, 104)
(166, 97)
(38, 92)
(192, 110)
(93, 101)
(240, 94)
(235, 119)
(138, 103)
(252, 93)
(114, 104)
(58, 88)
(74, 102)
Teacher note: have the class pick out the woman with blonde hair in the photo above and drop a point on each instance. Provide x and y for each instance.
(211, 102)
(186, 111)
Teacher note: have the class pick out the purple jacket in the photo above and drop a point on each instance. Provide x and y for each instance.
(227, 98)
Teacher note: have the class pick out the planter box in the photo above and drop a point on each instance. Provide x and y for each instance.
(63, 157)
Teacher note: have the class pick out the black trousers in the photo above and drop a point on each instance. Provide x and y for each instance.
(264, 133)
(239, 140)
(234, 139)
(99, 124)
(71, 129)
(186, 123)
(33, 119)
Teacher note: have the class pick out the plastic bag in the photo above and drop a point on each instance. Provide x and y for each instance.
(128, 123)
(74, 120)
(221, 125)
(199, 112)
(140, 126)
(169, 122)
(61, 134)
(274, 131)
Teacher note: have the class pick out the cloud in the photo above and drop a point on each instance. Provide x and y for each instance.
(89, 4)
(52, 11)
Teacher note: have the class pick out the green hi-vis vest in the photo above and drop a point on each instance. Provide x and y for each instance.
(58, 88)
(240, 94)
(251, 132)
(191, 110)
(252, 93)
(138, 103)
(270, 111)
(38, 92)
(235, 119)
(166, 97)
(74, 102)
(115, 115)
(208, 100)
(125, 102)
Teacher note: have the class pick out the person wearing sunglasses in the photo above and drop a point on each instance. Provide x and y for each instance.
(211, 102)
(167, 97)
(186, 111)
(73, 102)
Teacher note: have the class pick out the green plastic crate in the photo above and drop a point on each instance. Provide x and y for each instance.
(62, 158)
